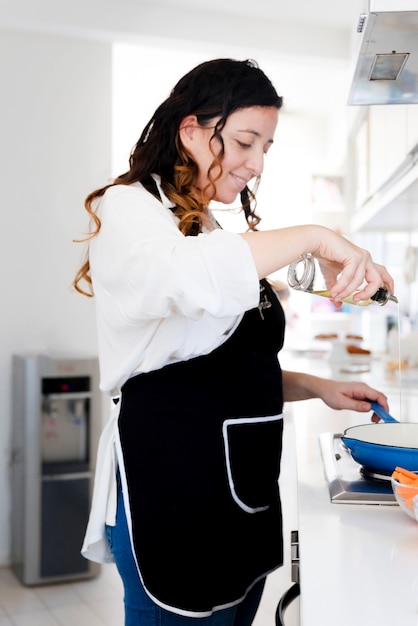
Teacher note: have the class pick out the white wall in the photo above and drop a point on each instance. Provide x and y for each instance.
(55, 147)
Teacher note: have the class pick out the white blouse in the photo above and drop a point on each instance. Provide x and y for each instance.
(160, 298)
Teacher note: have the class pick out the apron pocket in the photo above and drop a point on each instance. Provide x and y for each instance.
(252, 453)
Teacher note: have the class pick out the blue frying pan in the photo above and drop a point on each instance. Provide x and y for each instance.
(384, 446)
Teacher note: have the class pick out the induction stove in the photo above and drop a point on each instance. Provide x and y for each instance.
(348, 482)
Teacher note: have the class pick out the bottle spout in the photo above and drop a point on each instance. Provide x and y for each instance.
(383, 295)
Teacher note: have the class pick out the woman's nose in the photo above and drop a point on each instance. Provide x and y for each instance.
(256, 163)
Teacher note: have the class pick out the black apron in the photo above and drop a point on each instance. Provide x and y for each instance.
(201, 442)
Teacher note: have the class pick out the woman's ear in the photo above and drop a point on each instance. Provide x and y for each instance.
(187, 128)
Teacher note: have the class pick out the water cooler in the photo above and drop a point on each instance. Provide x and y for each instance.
(56, 425)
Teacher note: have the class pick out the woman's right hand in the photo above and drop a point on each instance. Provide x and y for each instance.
(274, 249)
(354, 268)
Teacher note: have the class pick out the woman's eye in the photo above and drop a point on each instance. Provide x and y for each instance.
(244, 145)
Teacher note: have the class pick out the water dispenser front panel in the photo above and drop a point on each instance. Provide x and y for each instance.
(65, 421)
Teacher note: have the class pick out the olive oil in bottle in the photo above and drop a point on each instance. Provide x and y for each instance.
(381, 296)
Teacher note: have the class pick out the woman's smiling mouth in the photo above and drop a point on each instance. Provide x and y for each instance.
(240, 181)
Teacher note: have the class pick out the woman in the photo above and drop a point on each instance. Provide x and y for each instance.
(186, 497)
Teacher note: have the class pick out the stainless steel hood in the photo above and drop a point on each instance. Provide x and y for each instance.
(386, 71)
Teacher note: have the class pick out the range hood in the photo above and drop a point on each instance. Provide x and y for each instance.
(386, 71)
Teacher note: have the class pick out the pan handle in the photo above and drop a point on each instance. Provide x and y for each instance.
(382, 413)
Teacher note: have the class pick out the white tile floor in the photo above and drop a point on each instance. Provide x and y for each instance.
(96, 602)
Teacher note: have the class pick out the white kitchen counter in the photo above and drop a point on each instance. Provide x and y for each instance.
(358, 563)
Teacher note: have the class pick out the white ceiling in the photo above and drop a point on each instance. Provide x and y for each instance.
(333, 13)
(306, 46)
(108, 17)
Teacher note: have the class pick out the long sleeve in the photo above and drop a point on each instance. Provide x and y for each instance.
(162, 297)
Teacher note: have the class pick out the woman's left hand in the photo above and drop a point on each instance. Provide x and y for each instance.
(354, 396)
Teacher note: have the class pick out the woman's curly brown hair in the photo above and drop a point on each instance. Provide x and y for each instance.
(212, 90)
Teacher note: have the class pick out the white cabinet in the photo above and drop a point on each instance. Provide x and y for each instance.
(411, 126)
(387, 142)
(385, 173)
(361, 165)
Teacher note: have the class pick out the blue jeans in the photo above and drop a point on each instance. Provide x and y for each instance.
(140, 610)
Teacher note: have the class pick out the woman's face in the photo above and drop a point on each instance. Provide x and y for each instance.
(247, 135)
